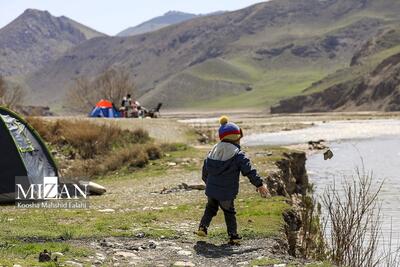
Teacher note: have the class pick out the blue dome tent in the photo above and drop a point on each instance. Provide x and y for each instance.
(104, 109)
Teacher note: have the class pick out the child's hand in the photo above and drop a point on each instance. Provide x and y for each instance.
(264, 192)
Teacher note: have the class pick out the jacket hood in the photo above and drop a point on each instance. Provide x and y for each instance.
(223, 151)
(220, 158)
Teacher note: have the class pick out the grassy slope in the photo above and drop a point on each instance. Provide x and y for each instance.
(285, 76)
(282, 77)
(270, 87)
(348, 73)
(160, 62)
(352, 73)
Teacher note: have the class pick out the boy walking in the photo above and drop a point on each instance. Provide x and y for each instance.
(221, 171)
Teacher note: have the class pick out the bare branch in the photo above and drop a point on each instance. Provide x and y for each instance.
(112, 85)
(353, 219)
(10, 95)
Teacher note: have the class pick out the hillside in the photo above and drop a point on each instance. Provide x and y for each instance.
(35, 38)
(252, 57)
(370, 83)
(169, 18)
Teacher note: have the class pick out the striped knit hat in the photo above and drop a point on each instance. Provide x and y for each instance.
(229, 131)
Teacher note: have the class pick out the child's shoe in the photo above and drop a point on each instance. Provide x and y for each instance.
(234, 239)
(202, 231)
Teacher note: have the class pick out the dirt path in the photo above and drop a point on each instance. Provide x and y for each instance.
(184, 252)
(142, 193)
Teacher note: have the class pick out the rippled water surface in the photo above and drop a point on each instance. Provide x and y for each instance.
(330, 131)
(373, 144)
(381, 156)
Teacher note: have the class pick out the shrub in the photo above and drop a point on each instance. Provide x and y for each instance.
(353, 213)
(140, 136)
(89, 139)
(139, 160)
(83, 169)
(41, 126)
(134, 156)
(91, 149)
(153, 151)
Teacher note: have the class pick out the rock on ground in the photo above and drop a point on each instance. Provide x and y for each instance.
(184, 252)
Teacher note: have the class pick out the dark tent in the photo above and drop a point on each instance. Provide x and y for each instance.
(23, 154)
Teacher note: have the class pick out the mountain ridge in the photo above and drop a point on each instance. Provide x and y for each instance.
(253, 57)
(35, 38)
(169, 18)
(370, 83)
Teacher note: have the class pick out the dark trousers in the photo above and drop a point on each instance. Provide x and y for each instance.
(228, 208)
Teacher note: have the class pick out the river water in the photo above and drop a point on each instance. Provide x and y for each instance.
(374, 144)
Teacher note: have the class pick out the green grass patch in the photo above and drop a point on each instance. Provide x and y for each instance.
(26, 253)
(269, 86)
(223, 70)
(257, 218)
(264, 262)
(74, 224)
(321, 264)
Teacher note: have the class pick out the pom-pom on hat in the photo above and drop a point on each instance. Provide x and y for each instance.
(229, 131)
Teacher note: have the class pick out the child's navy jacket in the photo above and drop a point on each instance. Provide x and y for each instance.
(222, 168)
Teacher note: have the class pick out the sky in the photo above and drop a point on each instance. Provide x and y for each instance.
(113, 16)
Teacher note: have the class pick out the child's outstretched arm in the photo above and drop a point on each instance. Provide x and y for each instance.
(247, 170)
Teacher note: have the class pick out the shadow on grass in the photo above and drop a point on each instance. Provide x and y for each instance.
(209, 250)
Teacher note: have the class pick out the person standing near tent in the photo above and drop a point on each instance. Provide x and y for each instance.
(137, 110)
(140, 110)
(126, 105)
(221, 171)
(122, 108)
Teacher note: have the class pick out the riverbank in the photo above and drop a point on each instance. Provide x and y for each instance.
(369, 145)
(147, 217)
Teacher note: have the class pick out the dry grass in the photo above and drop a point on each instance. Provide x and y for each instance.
(354, 221)
(173, 147)
(153, 151)
(88, 139)
(132, 157)
(86, 149)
